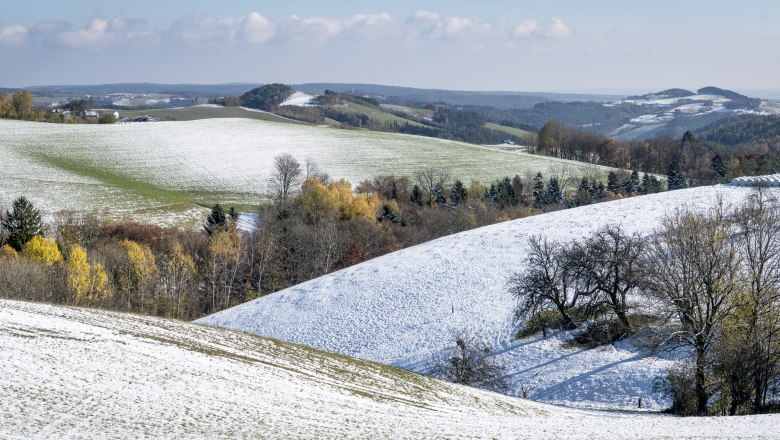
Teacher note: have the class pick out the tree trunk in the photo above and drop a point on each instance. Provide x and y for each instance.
(701, 390)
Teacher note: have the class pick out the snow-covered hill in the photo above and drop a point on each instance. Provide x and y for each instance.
(404, 308)
(74, 373)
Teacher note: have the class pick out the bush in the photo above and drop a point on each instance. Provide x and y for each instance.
(679, 386)
(470, 362)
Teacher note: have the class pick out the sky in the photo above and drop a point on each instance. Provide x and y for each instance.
(554, 45)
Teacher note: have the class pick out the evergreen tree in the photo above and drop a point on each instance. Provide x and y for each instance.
(675, 175)
(612, 182)
(22, 223)
(540, 199)
(216, 219)
(718, 166)
(646, 185)
(517, 186)
(600, 191)
(633, 183)
(416, 197)
(554, 192)
(459, 193)
(438, 195)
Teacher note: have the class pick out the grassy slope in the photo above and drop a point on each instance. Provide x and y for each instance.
(205, 112)
(77, 373)
(148, 165)
(510, 130)
(375, 114)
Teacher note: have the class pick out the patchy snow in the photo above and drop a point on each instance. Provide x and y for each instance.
(77, 373)
(405, 307)
(298, 98)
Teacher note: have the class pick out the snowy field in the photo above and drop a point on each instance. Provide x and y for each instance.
(152, 165)
(70, 373)
(404, 308)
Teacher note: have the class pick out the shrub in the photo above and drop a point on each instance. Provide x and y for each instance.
(42, 250)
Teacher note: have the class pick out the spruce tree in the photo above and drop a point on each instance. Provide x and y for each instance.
(633, 183)
(540, 199)
(459, 193)
(22, 223)
(216, 219)
(416, 196)
(612, 182)
(554, 192)
(718, 166)
(675, 175)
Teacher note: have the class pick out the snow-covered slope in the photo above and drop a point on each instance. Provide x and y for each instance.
(75, 373)
(405, 307)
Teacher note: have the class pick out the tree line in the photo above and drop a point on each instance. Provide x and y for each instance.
(712, 282)
(311, 226)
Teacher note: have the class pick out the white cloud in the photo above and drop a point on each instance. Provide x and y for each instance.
(204, 28)
(555, 28)
(311, 29)
(14, 35)
(256, 29)
(425, 17)
(97, 33)
(558, 29)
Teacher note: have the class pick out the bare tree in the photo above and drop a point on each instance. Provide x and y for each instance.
(758, 226)
(429, 179)
(694, 272)
(612, 262)
(552, 280)
(286, 177)
(313, 171)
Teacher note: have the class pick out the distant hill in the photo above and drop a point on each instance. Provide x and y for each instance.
(409, 95)
(710, 90)
(202, 90)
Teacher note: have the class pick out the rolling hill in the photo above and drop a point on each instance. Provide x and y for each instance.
(404, 308)
(177, 167)
(77, 373)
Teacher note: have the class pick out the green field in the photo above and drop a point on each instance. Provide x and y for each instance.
(148, 169)
(375, 114)
(195, 113)
(510, 130)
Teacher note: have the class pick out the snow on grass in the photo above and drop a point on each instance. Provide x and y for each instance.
(140, 166)
(298, 98)
(404, 308)
(77, 373)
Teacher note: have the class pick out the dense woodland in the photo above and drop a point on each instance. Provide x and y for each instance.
(739, 149)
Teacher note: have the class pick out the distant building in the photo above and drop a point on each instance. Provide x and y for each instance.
(90, 114)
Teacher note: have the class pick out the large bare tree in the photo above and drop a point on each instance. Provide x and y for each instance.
(287, 176)
(694, 271)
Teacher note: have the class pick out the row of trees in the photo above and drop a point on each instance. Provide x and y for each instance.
(713, 279)
(313, 226)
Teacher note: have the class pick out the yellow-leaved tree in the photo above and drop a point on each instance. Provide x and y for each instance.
(87, 283)
(143, 270)
(43, 250)
(179, 279)
(9, 253)
(226, 251)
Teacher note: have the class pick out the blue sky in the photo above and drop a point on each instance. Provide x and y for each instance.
(632, 46)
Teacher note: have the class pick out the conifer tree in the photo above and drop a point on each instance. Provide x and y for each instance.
(633, 183)
(22, 223)
(216, 219)
(540, 199)
(458, 194)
